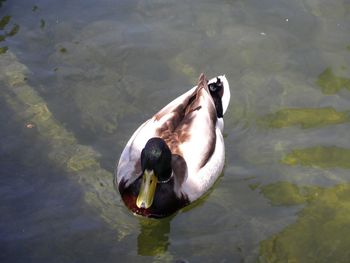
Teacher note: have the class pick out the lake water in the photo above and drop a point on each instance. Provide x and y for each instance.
(78, 77)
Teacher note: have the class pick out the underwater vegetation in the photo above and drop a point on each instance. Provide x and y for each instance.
(322, 231)
(305, 117)
(285, 193)
(330, 83)
(5, 31)
(322, 228)
(180, 64)
(319, 156)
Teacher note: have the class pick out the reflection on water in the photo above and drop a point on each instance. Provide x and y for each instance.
(153, 239)
(80, 77)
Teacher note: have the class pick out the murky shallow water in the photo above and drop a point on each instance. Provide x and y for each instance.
(78, 77)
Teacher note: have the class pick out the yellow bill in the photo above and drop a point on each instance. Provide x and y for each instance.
(147, 190)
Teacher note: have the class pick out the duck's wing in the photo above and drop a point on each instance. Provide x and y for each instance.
(189, 128)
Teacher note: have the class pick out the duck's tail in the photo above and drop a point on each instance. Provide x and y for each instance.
(220, 92)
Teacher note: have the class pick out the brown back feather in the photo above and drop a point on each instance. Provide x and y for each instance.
(175, 130)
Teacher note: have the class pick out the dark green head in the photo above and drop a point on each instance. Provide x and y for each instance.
(156, 156)
(156, 168)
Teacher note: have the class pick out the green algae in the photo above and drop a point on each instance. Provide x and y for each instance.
(14, 30)
(63, 50)
(305, 117)
(330, 83)
(285, 193)
(85, 160)
(319, 156)
(180, 64)
(3, 50)
(4, 21)
(322, 231)
(79, 161)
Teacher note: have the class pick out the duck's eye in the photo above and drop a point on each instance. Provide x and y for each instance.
(212, 87)
(151, 181)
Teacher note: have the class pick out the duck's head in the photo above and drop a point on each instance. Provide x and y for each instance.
(156, 168)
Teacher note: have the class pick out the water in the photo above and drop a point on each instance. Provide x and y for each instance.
(78, 77)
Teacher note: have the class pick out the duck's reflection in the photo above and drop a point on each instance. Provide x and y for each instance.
(154, 236)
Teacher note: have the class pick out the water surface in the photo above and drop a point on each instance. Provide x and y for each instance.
(78, 77)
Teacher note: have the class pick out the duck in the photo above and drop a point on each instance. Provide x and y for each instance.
(176, 156)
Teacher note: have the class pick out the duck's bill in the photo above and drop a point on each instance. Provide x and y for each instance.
(147, 190)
